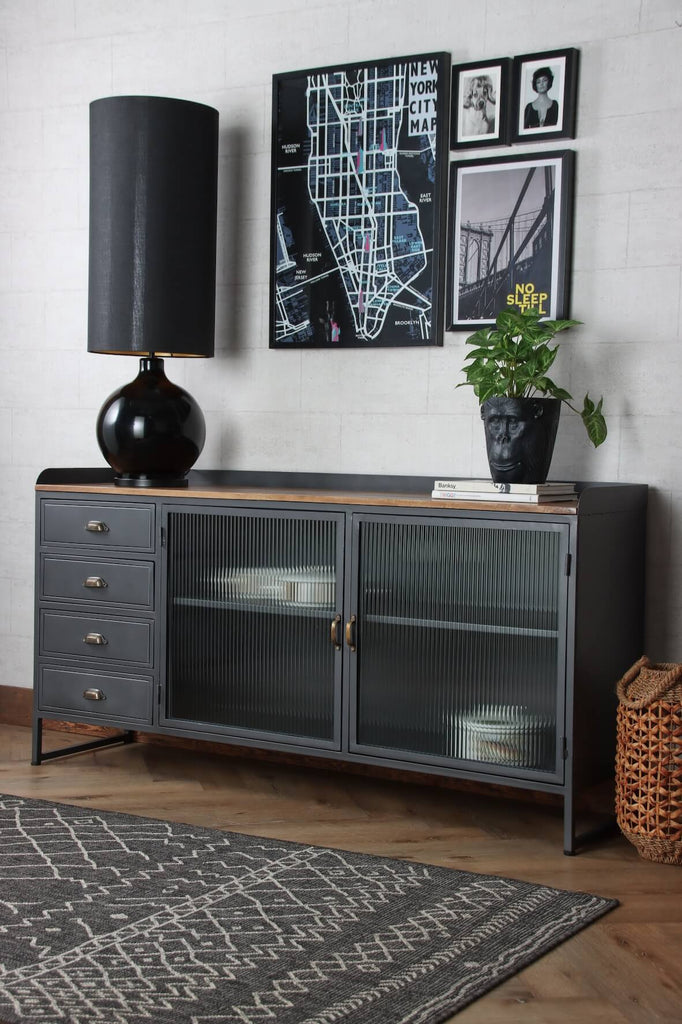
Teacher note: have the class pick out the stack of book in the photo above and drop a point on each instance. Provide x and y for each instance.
(488, 490)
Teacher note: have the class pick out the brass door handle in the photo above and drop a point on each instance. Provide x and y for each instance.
(96, 526)
(96, 639)
(95, 582)
(94, 694)
(350, 633)
(334, 632)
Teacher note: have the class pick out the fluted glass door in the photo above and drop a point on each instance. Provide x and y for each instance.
(460, 641)
(254, 622)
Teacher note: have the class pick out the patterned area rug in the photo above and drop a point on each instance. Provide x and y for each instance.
(117, 919)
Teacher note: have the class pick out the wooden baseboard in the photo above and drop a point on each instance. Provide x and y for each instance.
(16, 708)
(16, 705)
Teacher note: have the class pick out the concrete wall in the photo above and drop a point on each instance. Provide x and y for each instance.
(391, 410)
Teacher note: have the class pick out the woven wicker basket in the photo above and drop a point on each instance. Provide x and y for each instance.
(649, 760)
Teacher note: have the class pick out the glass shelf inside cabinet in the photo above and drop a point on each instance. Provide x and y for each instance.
(309, 589)
(461, 626)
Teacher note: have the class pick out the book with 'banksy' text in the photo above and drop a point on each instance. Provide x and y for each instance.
(463, 484)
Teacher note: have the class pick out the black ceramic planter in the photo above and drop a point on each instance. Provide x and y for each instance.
(519, 437)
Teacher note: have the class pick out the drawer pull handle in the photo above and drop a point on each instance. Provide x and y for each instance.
(334, 632)
(95, 582)
(96, 639)
(96, 526)
(94, 694)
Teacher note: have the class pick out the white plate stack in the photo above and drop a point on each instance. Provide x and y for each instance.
(507, 734)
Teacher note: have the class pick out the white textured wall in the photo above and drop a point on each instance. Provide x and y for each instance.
(392, 410)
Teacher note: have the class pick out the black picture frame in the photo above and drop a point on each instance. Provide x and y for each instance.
(510, 237)
(481, 102)
(359, 189)
(562, 71)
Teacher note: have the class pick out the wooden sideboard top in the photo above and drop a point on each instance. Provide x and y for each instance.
(290, 487)
(386, 491)
(318, 497)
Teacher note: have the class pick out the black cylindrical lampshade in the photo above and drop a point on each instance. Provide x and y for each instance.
(153, 201)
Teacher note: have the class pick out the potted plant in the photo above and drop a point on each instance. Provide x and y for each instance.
(520, 405)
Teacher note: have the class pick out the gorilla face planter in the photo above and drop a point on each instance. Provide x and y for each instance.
(519, 437)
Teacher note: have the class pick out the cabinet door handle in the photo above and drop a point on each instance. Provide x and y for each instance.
(96, 639)
(334, 632)
(350, 632)
(96, 526)
(95, 582)
(94, 694)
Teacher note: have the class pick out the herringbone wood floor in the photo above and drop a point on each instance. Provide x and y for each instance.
(626, 967)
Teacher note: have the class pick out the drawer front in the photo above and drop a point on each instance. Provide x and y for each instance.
(97, 637)
(124, 698)
(98, 525)
(80, 579)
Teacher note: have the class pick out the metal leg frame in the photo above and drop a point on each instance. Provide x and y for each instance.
(573, 840)
(77, 748)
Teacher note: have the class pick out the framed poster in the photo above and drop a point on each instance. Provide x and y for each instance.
(479, 113)
(545, 89)
(359, 179)
(510, 233)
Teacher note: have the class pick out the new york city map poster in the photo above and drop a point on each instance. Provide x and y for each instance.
(359, 168)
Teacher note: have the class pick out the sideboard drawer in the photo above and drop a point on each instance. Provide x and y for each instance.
(98, 525)
(124, 698)
(107, 639)
(81, 579)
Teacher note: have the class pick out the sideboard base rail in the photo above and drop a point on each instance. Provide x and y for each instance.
(39, 755)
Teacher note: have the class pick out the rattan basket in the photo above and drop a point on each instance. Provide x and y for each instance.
(649, 760)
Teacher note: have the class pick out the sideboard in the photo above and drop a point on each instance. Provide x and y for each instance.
(348, 617)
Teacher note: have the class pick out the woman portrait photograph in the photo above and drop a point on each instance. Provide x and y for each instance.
(545, 87)
(543, 111)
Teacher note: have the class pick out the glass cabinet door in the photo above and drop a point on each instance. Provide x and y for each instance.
(254, 622)
(460, 641)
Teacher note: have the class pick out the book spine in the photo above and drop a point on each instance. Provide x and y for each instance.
(519, 499)
(482, 495)
(500, 488)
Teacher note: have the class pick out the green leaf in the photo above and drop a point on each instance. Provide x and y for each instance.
(560, 325)
(508, 322)
(481, 337)
(478, 353)
(594, 421)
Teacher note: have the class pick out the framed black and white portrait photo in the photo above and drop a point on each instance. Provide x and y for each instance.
(544, 89)
(480, 104)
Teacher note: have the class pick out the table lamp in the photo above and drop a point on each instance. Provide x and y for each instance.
(153, 203)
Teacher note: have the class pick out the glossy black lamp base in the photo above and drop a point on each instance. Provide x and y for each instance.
(151, 432)
(151, 481)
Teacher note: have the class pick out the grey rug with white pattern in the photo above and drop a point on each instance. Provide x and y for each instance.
(117, 919)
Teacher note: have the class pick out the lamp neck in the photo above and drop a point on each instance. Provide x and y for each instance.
(151, 364)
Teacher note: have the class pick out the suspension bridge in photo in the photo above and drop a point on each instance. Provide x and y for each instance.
(497, 256)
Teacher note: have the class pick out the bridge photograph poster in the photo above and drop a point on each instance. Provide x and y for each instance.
(510, 227)
(359, 187)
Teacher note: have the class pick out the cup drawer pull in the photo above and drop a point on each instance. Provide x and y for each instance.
(95, 582)
(96, 639)
(94, 694)
(96, 526)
